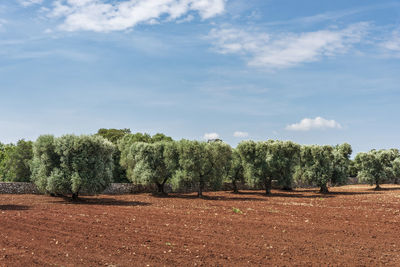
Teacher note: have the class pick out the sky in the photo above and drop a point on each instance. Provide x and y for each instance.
(310, 71)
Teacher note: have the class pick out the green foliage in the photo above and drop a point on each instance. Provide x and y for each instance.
(269, 160)
(203, 164)
(71, 164)
(159, 137)
(282, 158)
(391, 159)
(237, 211)
(377, 166)
(396, 170)
(114, 136)
(5, 152)
(153, 163)
(352, 169)
(235, 170)
(127, 161)
(317, 165)
(45, 160)
(341, 164)
(15, 161)
(256, 171)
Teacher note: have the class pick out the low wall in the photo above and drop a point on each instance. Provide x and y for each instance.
(119, 188)
(113, 189)
(18, 188)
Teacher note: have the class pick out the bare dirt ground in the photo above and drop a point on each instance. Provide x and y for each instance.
(354, 226)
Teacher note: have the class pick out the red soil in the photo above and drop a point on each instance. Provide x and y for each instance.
(353, 226)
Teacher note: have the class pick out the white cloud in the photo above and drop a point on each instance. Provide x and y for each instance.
(104, 16)
(286, 50)
(189, 18)
(240, 134)
(393, 43)
(310, 124)
(27, 3)
(2, 22)
(211, 136)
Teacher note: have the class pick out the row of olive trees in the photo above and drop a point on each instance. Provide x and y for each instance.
(207, 165)
(70, 164)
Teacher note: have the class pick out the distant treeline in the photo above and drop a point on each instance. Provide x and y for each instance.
(71, 164)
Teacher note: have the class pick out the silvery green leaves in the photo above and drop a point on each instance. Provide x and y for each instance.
(71, 164)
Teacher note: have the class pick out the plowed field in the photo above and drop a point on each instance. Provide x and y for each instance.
(353, 226)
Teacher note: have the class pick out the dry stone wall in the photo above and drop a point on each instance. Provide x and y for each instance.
(18, 188)
(113, 189)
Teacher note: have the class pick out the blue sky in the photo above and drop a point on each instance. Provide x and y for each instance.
(310, 71)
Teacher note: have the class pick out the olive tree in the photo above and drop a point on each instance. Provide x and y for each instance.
(203, 164)
(124, 144)
(254, 157)
(15, 162)
(265, 161)
(5, 152)
(282, 158)
(374, 167)
(72, 164)
(317, 165)
(396, 170)
(235, 170)
(114, 136)
(392, 157)
(153, 163)
(341, 164)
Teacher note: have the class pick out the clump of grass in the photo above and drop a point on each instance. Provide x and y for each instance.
(273, 211)
(237, 211)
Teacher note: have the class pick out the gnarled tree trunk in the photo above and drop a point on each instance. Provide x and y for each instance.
(324, 189)
(268, 186)
(201, 187)
(377, 187)
(235, 188)
(74, 196)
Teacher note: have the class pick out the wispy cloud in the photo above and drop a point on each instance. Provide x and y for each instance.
(393, 42)
(105, 16)
(27, 3)
(2, 22)
(310, 124)
(334, 15)
(240, 134)
(210, 136)
(285, 50)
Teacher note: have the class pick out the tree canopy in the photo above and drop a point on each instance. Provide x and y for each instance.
(153, 163)
(71, 164)
(317, 165)
(203, 164)
(15, 161)
(377, 166)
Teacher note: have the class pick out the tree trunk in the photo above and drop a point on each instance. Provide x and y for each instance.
(160, 187)
(235, 189)
(268, 185)
(201, 187)
(200, 192)
(74, 196)
(396, 181)
(287, 188)
(377, 187)
(324, 189)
